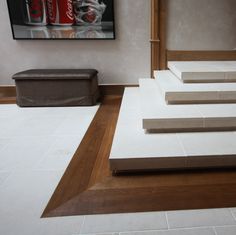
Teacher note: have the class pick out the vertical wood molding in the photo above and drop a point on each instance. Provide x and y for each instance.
(162, 33)
(158, 35)
(155, 41)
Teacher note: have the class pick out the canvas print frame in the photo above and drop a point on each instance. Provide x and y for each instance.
(53, 19)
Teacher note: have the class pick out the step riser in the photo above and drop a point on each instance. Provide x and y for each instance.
(161, 117)
(187, 126)
(176, 92)
(186, 100)
(178, 163)
(200, 97)
(211, 77)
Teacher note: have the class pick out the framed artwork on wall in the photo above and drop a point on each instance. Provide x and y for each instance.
(62, 19)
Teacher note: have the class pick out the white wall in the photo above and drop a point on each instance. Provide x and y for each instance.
(201, 24)
(122, 61)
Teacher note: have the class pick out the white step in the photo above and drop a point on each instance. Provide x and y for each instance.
(160, 117)
(204, 71)
(134, 150)
(176, 92)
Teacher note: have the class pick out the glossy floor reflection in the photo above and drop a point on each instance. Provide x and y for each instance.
(104, 31)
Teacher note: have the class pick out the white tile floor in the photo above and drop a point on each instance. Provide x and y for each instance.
(36, 146)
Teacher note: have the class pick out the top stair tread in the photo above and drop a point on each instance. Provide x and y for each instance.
(204, 71)
(177, 92)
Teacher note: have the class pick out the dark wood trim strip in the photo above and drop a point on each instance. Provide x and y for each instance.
(89, 187)
(88, 163)
(7, 94)
(158, 35)
(162, 26)
(7, 91)
(200, 55)
(114, 89)
(8, 100)
(155, 41)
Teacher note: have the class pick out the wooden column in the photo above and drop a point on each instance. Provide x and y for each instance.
(162, 34)
(155, 41)
(158, 35)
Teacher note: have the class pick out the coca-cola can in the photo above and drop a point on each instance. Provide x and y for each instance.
(60, 12)
(36, 12)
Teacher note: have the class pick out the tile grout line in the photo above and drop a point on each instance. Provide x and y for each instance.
(162, 230)
(102, 233)
(181, 144)
(167, 221)
(5, 180)
(233, 215)
(170, 229)
(82, 225)
(203, 116)
(6, 145)
(46, 154)
(156, 230)
(214, 230)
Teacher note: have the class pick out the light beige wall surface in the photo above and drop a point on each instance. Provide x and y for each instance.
(201, 24)
(122, 61)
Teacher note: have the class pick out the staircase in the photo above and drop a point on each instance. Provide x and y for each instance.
(184, 118)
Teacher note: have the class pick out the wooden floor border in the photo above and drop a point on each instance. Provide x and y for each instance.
(88, 186)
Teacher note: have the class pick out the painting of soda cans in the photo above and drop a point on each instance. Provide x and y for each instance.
(62, 19)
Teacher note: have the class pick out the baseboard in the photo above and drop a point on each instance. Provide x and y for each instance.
(9, 92)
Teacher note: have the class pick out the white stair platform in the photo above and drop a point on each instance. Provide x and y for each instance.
(204, 71)
(134, 150)
(160, 117)
(176, 92)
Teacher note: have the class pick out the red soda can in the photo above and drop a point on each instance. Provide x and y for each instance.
(36, 12)
(60, 12)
